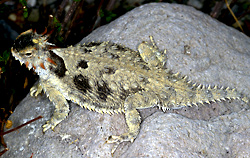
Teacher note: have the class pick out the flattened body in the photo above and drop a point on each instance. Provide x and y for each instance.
(109, 78)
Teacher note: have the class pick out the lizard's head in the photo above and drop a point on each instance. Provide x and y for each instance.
(29, 48)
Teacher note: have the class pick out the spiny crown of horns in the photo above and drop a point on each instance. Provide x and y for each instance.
(29, 42)
(30, 39)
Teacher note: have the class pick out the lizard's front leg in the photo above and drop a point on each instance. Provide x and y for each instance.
(36, 89)
(61, 107)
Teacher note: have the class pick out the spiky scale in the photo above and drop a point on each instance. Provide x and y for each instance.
(195, 104)
(199, 86)
(223, 99)
(176, 74)
(207, 102)
(164, 109)
(185, 77)
(209, 87)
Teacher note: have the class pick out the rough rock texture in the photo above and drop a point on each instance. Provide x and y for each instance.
(219, 55)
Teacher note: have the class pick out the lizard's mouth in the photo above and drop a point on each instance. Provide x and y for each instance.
(17, 55)
(20, 57)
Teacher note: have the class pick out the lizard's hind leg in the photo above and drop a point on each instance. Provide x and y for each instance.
(139, 100)
(151, 54)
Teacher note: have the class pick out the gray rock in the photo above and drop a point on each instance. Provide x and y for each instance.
(219, 55)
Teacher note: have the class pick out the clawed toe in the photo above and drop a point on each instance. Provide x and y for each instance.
(46, 127)
(113, 139)
(36, 90)
(116, 140)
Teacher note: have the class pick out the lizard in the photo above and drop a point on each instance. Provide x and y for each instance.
(109, 78)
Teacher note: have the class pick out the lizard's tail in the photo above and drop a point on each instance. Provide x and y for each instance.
(209, 94)
(185, 93)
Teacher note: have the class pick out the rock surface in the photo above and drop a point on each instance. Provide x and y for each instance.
(216, 54)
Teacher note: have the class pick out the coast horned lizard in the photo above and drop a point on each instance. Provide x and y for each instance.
(109, 78)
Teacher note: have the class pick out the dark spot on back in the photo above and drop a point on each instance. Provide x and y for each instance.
(82, 83)
(60, 67)
(23, 41)
(103, 91)
(83, 64)
(109, 70)
(119, 47)
(87, 50)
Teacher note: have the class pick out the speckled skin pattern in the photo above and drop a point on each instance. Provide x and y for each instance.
(109, 78)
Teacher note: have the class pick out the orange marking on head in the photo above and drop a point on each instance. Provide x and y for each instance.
(52, 47)
(51, 31)
(27, 64)
(42, 66)
(51, 61)
(45, 31)
(33, 66)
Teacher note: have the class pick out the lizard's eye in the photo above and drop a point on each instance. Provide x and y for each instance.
(28, 54)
